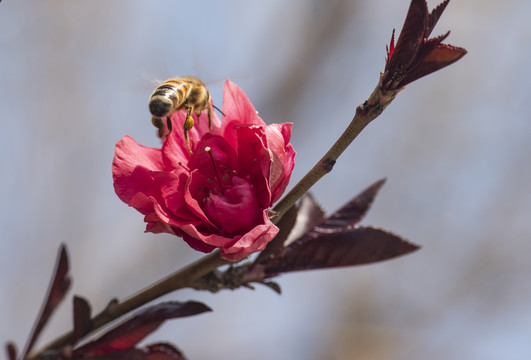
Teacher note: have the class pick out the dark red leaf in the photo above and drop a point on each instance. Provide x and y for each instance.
(427, 48)
(415, 55)
(82, 323)
(355, 246)
(56, 292)
(132, 331)
(11, 350)
(160, 351)
(350, 214)
(434, 17)
(310, 214)
(333, 242)
(273, 286)
(285, 225)
(391, 47)
(295, 222)
(163, 351)
(410, 37)
(128, 354)
(443, 55)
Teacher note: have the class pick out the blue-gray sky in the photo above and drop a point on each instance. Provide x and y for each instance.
(76, 77)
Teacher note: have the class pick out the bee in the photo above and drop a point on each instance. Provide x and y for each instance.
(187, 93)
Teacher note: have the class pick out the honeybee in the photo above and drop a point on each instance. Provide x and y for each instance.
(180, 93)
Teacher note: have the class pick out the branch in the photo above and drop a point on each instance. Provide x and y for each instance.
(365, 113)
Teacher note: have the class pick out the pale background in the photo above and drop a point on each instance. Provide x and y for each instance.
(455, 146)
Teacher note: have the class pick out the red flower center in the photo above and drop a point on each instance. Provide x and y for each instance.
(222, 189)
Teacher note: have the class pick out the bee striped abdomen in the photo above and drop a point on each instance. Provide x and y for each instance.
(169, 97)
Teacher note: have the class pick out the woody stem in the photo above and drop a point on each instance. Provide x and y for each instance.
(365, 113)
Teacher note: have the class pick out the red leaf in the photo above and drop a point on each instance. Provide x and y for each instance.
(445, 54)
(411, 36)
(82, 323)
(11, 350)
(163, 351)
(132, 331)
(356, 246)
(441, 56)
(56, 292)
(310, 214)
(434, 17)
(128, 354)
(295, 222)
(352, 212)
(415, 54)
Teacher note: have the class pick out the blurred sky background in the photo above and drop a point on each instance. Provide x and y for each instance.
(455, 147)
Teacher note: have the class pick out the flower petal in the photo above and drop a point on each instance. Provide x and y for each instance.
(236, 210)
(282, 155)
(254, 160)
(132, 170)
(253, 241)
(195, 241)
(238, 111)
(237, 106)
(174, 209)
(192, 196)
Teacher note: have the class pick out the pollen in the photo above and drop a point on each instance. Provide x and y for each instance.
(189, 123)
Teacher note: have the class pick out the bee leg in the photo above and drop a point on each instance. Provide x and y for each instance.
(170, 126)
(210, 115)
(188, 125)
(157, 122)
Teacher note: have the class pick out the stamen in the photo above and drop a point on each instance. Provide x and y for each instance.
(184, 166)
(207, 149)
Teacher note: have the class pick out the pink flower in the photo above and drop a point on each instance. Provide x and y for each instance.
(219, 196)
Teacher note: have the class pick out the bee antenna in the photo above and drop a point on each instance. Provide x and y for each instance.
(218, 109)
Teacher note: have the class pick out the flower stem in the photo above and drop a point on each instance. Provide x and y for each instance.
(178, 280)
(365, 113)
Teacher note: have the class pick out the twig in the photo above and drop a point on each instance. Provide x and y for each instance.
(365, 113)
